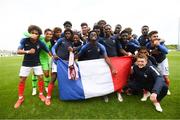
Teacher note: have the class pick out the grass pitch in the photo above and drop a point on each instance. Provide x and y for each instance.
(95, 108)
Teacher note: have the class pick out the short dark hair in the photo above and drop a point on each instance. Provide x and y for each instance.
(68, 30)
(34, 27)
(46, 30)
(107, 25)
(57, 29)
(124, 31)
(84, 24)
(152, 32)
(101, 21)
(141, 56)
(96, 27)
(134, 36)
(118, 25)
(77, 33)
(145, 26)
(129, 30)
(67, 23)
(91, 32)
(143, 48)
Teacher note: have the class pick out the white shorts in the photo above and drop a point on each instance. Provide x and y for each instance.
(163, 67)
(24, 71)
(54, 67)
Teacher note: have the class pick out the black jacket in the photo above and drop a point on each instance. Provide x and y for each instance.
(149, 77)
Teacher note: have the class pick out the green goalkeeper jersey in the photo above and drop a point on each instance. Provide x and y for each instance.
(44, 57)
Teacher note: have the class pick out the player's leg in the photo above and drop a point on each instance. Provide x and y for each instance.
(158, 97)
(24, 72)
(51, 84)
(46, 79)
(120, 98)
(39, 72)
(46, 68)
(34, 84)
(164, 70)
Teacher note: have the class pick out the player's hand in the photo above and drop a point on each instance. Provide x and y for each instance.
(129, 54)
(114, 71)
(32, 51)
(156, 42)
(70, 49)
(55, 57)
(49, 53)
(34, 36)
(71, 67)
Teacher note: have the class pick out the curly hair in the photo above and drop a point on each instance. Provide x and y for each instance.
(34, 27)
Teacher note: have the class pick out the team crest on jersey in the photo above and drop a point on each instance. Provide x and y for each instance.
(37, 46)
(89, 50)
(26, 45)
(145, 75)
(98, 50)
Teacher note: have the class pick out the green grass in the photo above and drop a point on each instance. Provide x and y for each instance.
(95, 108)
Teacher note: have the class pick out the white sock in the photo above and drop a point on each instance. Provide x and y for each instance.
(20, 97)
(120, 97)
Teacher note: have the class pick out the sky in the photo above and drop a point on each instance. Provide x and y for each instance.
(17, 15)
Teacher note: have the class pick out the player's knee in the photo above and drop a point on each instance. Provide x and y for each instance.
(53, 78)
(46, 74)
(22, 79)
(165, 76)
(52, 81)
(40, 77)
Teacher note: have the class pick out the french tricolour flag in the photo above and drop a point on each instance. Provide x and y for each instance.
(94, 78)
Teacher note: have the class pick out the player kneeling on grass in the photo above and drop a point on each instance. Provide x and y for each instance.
(31, 47)
(146, 77)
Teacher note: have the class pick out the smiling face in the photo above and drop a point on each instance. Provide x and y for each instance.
(48, 35)
(84, 29)
(117, 29)
(141, 62)
(107, 30)
(124, 36)
(76, 38)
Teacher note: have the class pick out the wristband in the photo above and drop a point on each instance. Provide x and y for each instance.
(27, 52)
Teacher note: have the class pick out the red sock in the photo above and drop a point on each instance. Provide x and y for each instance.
(41, 86)
(145, 91)
(21, 89)
(119, 91)
(50, 89)
(167, 81)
